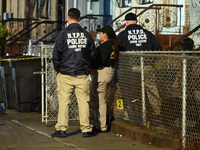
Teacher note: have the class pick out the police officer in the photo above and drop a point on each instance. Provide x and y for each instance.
(106, 63)
(136, 38)
(74, 49)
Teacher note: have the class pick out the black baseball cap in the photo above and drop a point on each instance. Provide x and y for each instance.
(108, 30)
(130, 16)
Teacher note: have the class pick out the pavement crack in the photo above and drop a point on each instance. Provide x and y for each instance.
(47, 135)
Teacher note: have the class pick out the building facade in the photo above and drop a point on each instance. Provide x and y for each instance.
(95, 13)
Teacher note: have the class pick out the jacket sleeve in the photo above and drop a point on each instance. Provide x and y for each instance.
(105, 51)
(156, 46)
(120, 39)
(57, 52)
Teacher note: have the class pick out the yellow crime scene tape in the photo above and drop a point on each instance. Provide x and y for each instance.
(27, 58)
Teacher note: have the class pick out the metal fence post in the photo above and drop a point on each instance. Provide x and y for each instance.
(45, 82)
(184, 104)
(42, 80)
(143, 91)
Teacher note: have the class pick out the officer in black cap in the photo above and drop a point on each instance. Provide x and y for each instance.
(104, 73)
(136, 38)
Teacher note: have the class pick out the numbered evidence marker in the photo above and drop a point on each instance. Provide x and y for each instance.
(120, 104)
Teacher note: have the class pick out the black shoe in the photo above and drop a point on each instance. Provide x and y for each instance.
(87, 134)
(59, 134)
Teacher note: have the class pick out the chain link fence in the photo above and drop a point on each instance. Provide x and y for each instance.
(49, 85)
(160, 91)
(156, 90)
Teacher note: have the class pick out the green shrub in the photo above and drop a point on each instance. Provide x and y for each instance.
(3, 35)
(3, 30)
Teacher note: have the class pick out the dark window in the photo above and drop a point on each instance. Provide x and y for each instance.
(142, 2)
(124, 3)
(3, 6)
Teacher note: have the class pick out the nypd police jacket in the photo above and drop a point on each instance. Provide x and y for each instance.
(136, 38)
(73, 51)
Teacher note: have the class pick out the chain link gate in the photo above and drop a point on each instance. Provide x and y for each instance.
(49, 86)
(161, 91)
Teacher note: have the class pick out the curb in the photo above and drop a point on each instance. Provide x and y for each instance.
(145, 136)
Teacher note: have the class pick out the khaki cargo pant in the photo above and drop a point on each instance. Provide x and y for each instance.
(103, 77)
(66, 85)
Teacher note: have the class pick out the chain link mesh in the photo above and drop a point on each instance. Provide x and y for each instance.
(161, 91)
(49, 86)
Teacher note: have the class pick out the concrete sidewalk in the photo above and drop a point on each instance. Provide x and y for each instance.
(25, 131)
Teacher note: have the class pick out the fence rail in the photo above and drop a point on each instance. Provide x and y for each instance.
(158, 18)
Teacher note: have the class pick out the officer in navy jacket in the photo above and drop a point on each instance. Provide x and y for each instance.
(136, 38)
(74, 49)
(72, 56)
